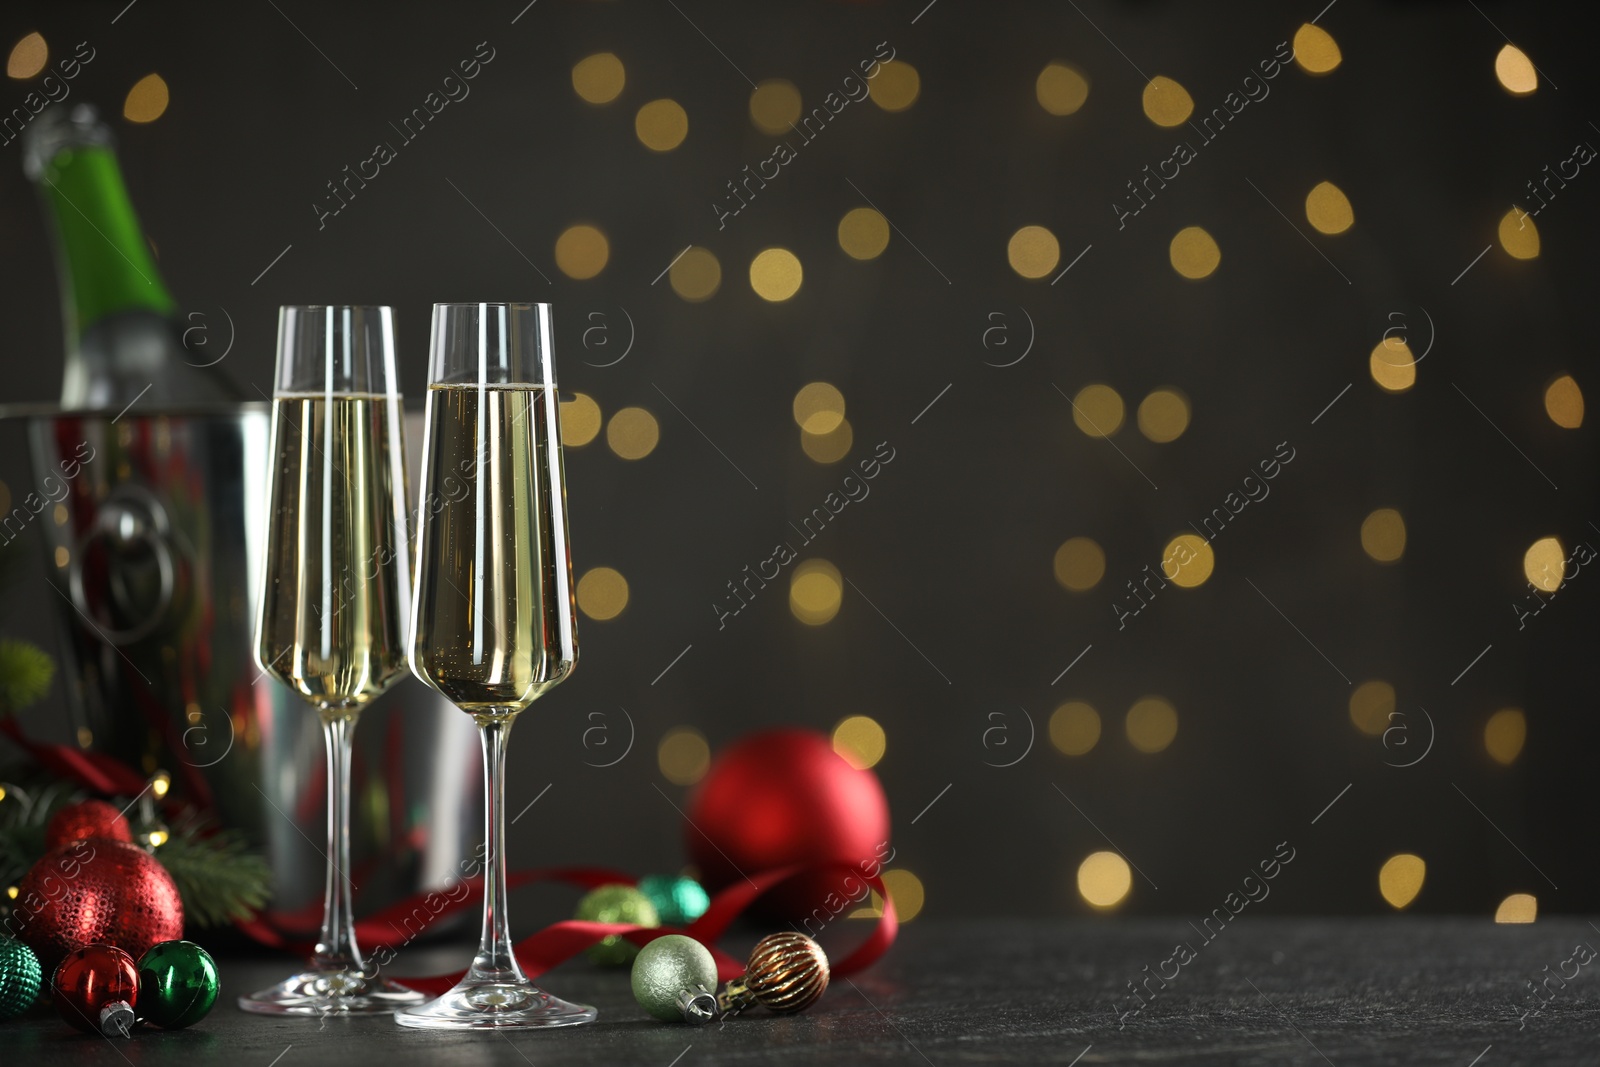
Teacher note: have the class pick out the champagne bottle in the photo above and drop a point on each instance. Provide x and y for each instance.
(124, 340)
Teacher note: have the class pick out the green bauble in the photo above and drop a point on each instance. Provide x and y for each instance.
(617, 904)
(177, 984)
(679, 901)
(666, 967)
(20, 978)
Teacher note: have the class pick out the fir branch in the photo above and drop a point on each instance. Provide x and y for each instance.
(26, 671)
(219, 877)
(24, 814)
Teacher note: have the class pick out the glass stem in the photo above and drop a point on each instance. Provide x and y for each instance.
(495, 961)
(337, 950)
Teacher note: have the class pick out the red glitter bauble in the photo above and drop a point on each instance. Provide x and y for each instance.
(89, 818)
(91, 978)
(782, 797)
(96, 892)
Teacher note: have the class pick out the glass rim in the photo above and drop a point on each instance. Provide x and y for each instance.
(337, 307)
(515, 304)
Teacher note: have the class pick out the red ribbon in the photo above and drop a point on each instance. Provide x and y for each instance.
(561, 941)
(537, 953)
(95, 771)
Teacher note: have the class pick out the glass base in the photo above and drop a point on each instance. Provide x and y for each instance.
(331, 993)
(485, 1005)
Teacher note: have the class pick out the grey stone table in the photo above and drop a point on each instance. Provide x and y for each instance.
(1265, 991)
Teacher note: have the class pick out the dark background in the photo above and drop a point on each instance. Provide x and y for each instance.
(955, 543)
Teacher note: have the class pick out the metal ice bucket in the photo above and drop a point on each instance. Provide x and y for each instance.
(155, 533)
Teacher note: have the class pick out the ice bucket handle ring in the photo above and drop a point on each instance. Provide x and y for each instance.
(130, 516)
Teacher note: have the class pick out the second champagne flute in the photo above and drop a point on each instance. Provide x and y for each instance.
(335, 592)
(493, 626)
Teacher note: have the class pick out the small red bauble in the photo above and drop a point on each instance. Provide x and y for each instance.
(782, 797)
(96, 988)
(96, 892)
(89, 818)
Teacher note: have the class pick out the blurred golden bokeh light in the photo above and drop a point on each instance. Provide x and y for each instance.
(683, 755)
(815, 592)
(147, 100)
(905, 889)
(661, 125)
(863, 233)
(28, 57)
(1400, 879)
(1033, 251)
(775, 274)
(1517, 908)
(599, 78)
(1163, 416)
(1563, 402)
(602, 593)
(1074, 728)
(696, 275)
(775, 105)
(1392, 365)
(1061, 88)
(633, 433)
(1315, 49)
(1194, 253)
(580, 420)
(1504, 735)
(896, 86)
(582, 251)
(1097, 410)
(1544, 564)
(1152, 724)
(860, 741)
(1518, 235)
(818, 407)
(1104, 879)
(1188, 560)
(1328, 209)
(1371, 704)
(1080, 564)
(1515, 71)
(1166, 103)
(828, 447)
(1383, 535)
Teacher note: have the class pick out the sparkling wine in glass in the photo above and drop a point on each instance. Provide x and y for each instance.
(493, 625)
(336, 592)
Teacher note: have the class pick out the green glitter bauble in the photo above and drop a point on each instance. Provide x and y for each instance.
(666, 967)
(679, 901)
(20, 978)
(616, 904)
(177, 984)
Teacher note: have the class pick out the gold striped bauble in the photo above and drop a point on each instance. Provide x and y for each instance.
(787, 972)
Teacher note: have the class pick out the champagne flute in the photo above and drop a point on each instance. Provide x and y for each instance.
(335, 592)
(493, 625)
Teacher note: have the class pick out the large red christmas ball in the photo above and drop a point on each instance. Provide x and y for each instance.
(782, 797)
(88, 818)
(91, 979)
(96, 892)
